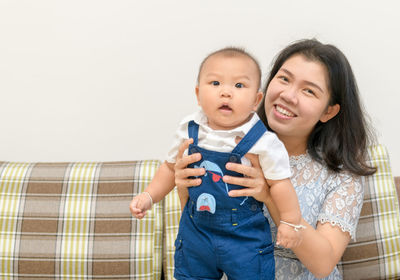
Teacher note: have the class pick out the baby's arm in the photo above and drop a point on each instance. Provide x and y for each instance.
(161, 184)
(285, 198)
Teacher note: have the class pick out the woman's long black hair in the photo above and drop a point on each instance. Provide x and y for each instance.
(342, 141)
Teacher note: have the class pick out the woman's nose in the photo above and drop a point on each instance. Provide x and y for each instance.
(289, 95)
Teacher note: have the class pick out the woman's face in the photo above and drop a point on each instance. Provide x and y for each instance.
(297, 98)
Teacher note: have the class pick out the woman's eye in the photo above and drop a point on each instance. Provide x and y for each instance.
(239, 85)
(309, 91)
(283, 78)
(215, 83)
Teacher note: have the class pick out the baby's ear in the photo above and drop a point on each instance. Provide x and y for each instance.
(259, 97)
(197, 94)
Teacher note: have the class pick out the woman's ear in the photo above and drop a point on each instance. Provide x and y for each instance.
(330, 112)
(259, 97)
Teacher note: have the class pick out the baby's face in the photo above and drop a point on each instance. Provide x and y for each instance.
(227, 90)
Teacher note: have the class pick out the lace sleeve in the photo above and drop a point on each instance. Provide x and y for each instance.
(343, 203)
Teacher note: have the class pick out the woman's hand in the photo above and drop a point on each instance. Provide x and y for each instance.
(182, 172)
(253, 180)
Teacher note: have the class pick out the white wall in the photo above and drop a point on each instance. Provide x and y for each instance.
(108, 80)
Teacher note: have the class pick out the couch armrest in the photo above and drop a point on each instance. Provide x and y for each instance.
(72, 221)
(376, 252)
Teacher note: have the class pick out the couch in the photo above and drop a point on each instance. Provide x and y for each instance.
(71, 220)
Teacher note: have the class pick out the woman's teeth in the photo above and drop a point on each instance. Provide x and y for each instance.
(284, 111)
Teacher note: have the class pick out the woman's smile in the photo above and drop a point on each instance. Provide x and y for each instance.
(283, 112)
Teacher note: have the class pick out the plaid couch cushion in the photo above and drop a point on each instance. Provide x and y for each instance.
(376, 252)
(172, 214)
(72, 221)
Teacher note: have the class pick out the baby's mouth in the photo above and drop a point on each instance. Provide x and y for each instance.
(225, 107)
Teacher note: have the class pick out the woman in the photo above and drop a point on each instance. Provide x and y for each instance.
(311, 102)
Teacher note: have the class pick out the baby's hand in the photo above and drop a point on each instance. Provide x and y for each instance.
(288, 237)
(140, 204)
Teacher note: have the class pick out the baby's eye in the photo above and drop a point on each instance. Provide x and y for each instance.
(239, 85)
(215, 83)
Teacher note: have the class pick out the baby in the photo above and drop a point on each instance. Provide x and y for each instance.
(219, 233)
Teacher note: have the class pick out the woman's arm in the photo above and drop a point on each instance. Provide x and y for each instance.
(320, 249)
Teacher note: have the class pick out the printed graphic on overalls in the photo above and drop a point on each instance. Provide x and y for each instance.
(214, 170)
(206, 201)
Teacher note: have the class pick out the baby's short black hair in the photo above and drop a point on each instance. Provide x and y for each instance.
(232, 52)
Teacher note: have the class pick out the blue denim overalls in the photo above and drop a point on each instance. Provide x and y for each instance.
(218, 233)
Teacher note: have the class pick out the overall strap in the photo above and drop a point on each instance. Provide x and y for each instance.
(193, 131)
(250, 139)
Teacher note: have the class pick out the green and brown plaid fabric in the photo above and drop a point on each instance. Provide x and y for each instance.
(376, 252)
(172, 214)
(72, 221)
